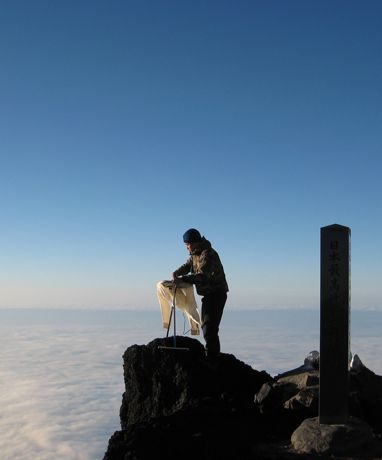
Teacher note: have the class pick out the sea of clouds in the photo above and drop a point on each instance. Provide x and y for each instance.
(61, 372)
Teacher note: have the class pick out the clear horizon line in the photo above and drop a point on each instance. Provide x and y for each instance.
(155, 309)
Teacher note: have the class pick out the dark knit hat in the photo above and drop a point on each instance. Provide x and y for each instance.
(192, 236)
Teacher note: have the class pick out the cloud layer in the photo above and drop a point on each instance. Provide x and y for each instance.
(61, 376)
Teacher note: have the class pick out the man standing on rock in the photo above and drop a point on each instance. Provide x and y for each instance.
(205, 270)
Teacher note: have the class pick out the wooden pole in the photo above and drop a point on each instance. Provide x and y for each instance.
(334, 324)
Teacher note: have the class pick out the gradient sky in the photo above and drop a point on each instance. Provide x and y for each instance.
(123, 123)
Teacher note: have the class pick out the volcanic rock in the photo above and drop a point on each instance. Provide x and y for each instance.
(180, 405)
(161, 382)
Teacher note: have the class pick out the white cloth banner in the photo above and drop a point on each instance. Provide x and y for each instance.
(184, 300)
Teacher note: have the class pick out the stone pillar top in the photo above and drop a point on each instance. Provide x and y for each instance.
(336, 226)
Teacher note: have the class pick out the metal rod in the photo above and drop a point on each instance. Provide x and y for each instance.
(173, 309)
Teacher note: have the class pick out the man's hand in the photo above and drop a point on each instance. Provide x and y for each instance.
(178, 280)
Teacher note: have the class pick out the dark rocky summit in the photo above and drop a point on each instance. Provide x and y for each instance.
(178, 405)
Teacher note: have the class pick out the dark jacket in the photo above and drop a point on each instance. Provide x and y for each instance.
(204, 269)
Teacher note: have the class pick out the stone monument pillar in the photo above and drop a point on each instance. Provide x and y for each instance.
(334, 325)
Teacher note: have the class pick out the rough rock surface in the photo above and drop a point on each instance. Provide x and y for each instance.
(354, 437)
(366, 395)
(161, 382)
(297, 391)
(177, 404)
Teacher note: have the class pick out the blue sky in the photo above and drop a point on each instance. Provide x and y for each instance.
(123, 123)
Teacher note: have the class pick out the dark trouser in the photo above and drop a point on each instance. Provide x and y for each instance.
(212, 311)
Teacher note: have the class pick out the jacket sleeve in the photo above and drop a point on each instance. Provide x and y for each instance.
(184, 269)
(205, 270)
